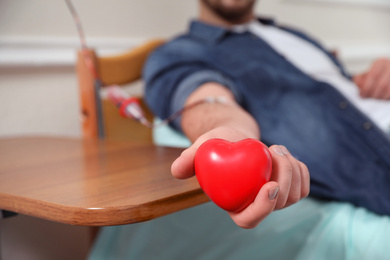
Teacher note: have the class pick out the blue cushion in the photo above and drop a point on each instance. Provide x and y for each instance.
(310, 229)
(164, 135)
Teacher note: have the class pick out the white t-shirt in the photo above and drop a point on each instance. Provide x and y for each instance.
(317, 64)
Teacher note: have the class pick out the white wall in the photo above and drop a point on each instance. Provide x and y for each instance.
(38, 88)
(357, 29)
(38, 40)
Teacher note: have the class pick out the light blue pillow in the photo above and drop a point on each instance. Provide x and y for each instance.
(164, 135)
(310, 229)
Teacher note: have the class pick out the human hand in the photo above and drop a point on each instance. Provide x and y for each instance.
(375, 83)
(289, 180)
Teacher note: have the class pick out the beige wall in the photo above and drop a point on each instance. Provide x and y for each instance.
(38, 40)
(38, 92)
(150, 18)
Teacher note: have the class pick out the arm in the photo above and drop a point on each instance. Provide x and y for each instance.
(375, 83)
(290, 178)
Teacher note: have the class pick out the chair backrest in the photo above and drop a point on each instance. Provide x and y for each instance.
(100, 118)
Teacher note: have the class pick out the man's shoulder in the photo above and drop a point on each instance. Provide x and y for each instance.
(179, 50)
(181, 44)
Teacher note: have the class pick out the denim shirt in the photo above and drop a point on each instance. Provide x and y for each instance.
(348, 156)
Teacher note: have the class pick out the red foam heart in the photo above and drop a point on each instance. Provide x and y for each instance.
(231, 174)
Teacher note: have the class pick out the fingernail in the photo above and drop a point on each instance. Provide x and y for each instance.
(284, 150)
(277, 149)
(272, 193)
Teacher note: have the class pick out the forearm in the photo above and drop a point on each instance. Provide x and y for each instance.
(230, 122)
(290, 178)
(234, 122)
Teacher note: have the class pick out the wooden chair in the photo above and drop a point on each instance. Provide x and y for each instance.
(94, 182)
(100, 118)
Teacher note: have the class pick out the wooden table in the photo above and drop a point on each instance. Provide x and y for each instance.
(92, 183)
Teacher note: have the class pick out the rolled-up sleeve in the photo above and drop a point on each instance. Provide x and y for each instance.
(190, 84)
(171, 76)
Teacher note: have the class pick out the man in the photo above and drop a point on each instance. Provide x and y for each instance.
(286, 99)
(229, 121)
(286, 83)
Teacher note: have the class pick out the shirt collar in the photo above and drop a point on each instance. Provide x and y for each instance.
(212, 34)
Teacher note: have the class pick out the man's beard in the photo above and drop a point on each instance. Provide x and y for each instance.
(229, 14)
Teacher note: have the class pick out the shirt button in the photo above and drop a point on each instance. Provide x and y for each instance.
(367, 126)
(343, 104)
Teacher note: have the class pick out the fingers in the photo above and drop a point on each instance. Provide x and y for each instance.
(360, 79)
(367, 85)
(292, 176)
(282, 172)
(382, 91)
(305, 180)
(259, 209)
(290, 182)
(295, 187)
(376, 82)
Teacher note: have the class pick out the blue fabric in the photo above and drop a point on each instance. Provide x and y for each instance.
(347, 155)
(310, 229)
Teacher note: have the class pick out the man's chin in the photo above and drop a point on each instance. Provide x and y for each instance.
(231, 11)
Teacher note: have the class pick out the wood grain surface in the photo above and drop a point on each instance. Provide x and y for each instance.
(92, 183)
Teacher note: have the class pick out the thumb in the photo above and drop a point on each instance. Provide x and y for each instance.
(183, 166)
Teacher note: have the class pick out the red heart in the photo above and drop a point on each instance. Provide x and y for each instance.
(231, 174)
